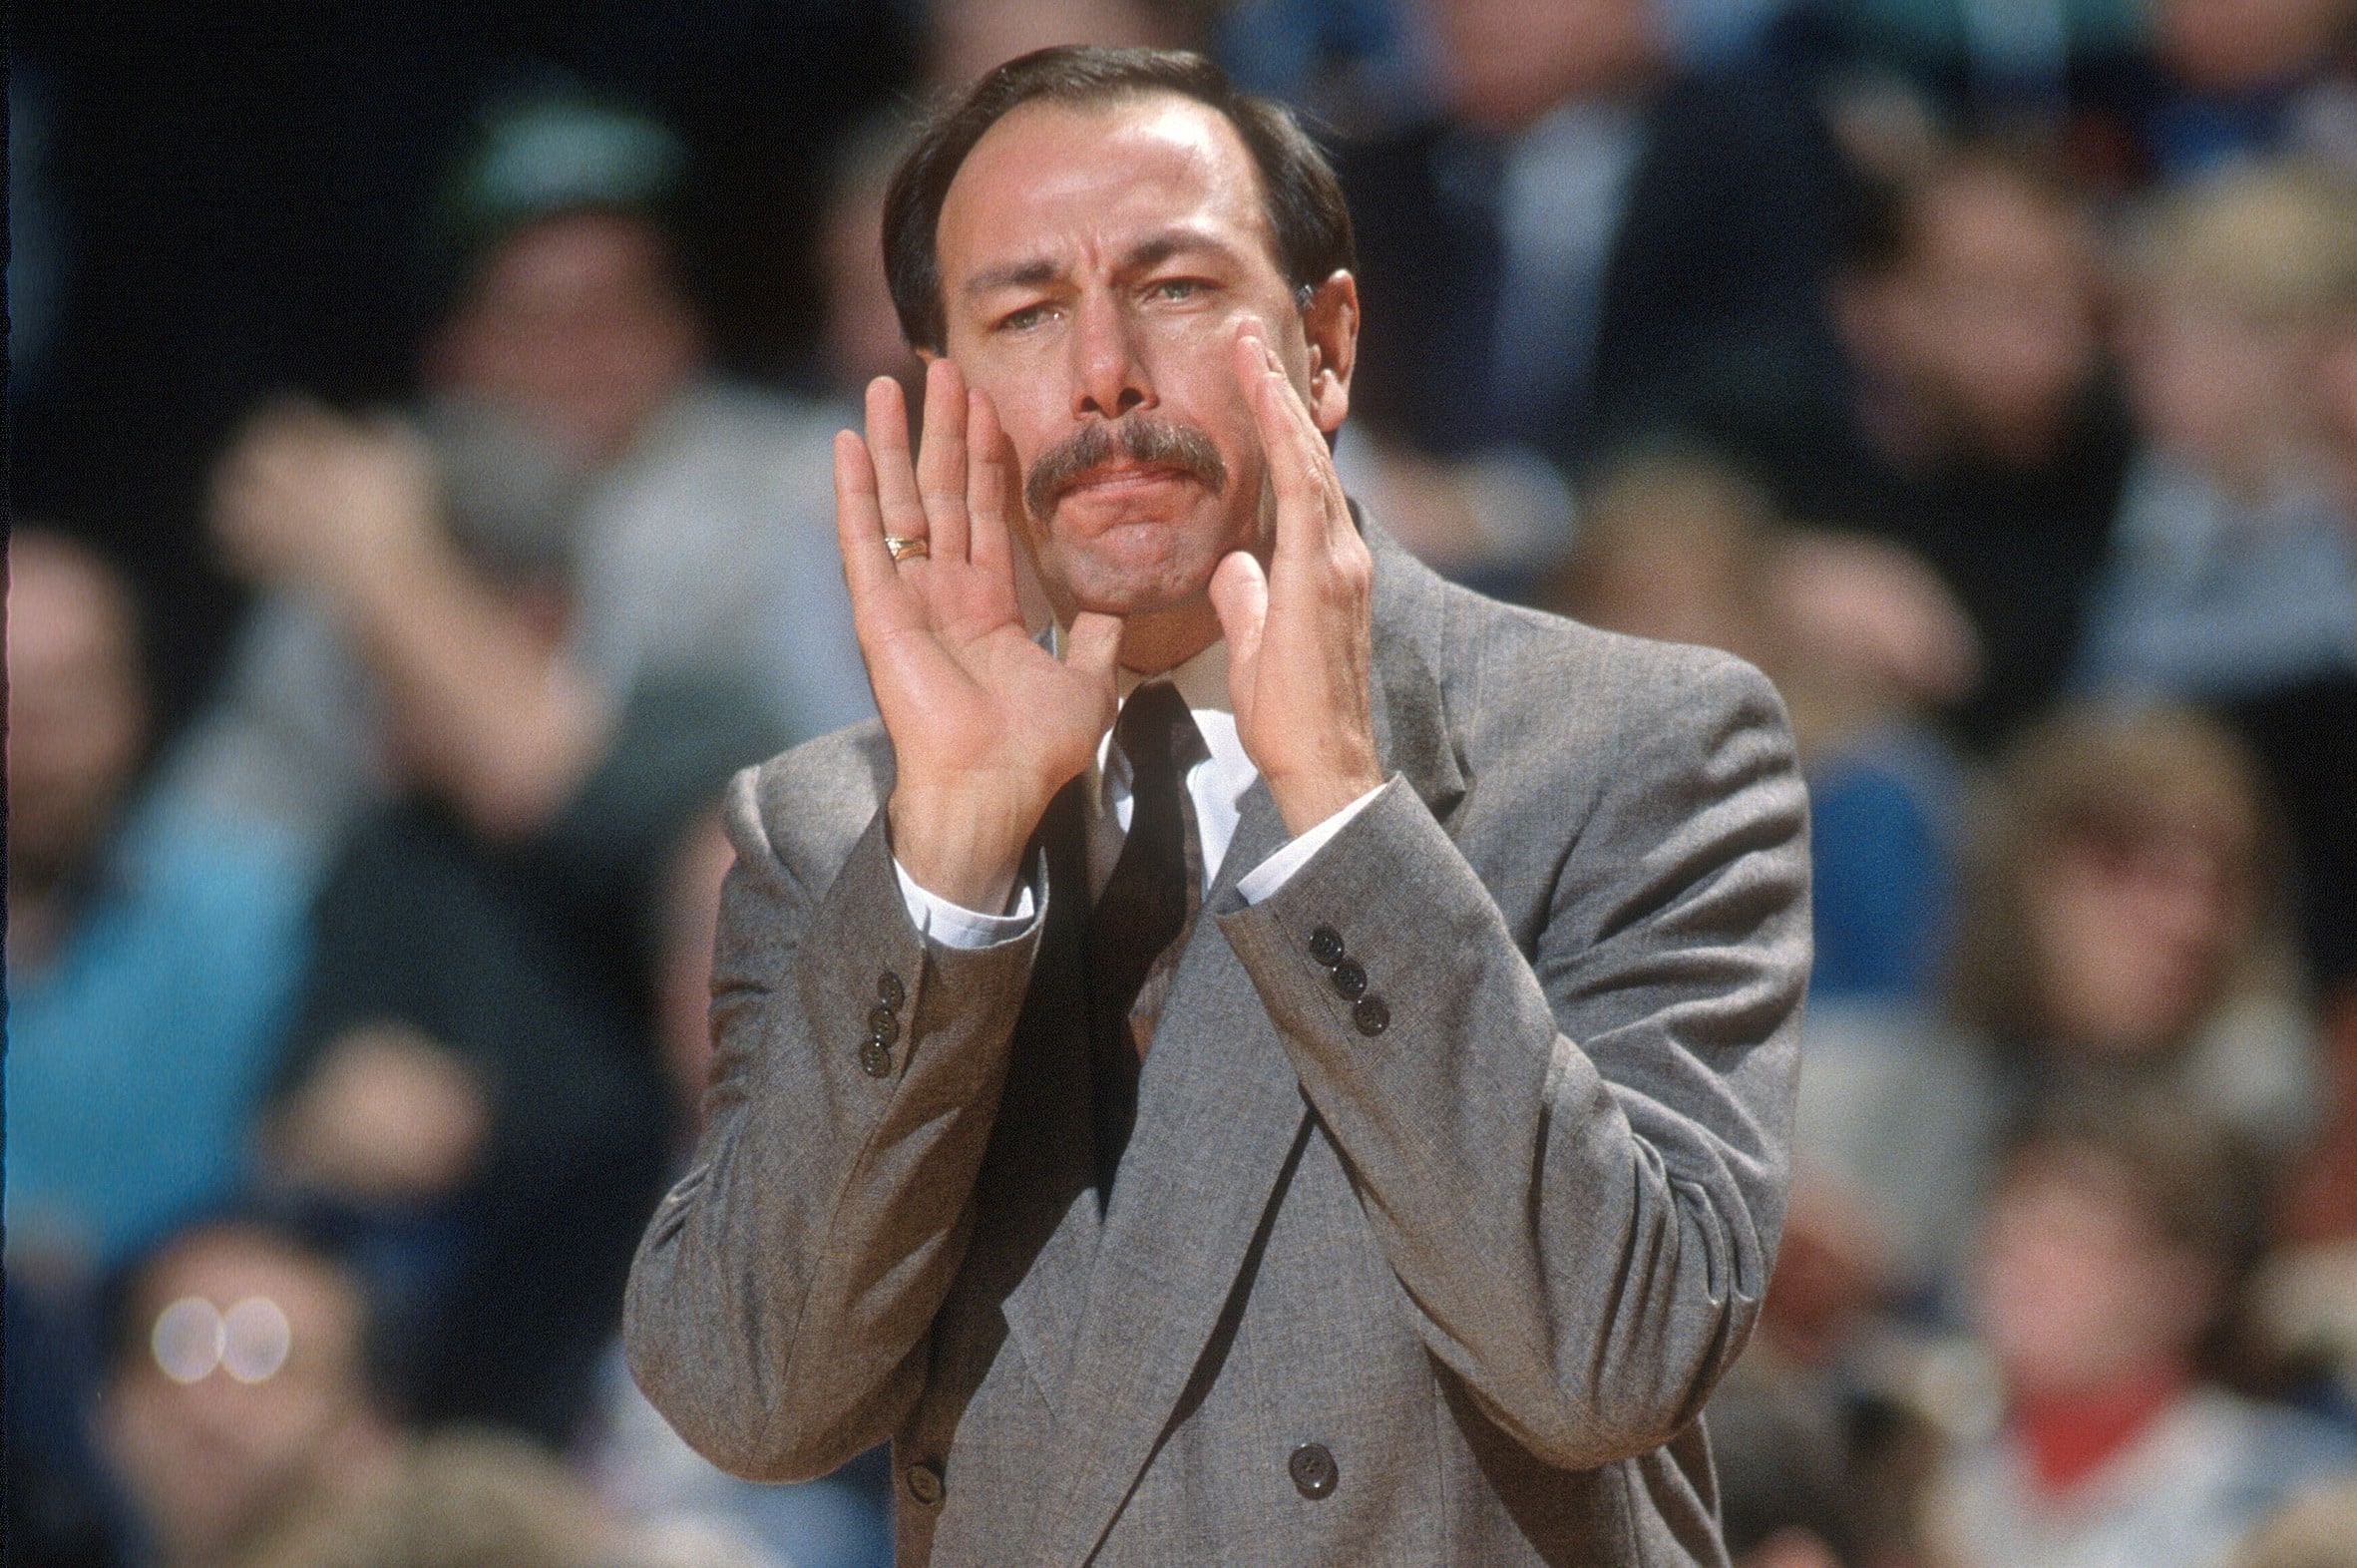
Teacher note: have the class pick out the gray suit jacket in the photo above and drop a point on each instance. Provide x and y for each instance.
(1491, 1259)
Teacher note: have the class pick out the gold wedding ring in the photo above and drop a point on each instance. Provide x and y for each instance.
(903, 548)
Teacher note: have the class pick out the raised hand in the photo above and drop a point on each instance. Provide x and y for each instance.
(308, 496)
(986, 724)
(1299, 634)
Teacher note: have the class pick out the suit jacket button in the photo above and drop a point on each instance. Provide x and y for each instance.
(1326, 946)
(1313, 1470)
(1372, 1016)
(1350, 978)
(924, 1483)
(876, 1059)
(883, 1028)
(891, 993)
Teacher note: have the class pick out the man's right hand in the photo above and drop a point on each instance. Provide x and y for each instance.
(986, 724)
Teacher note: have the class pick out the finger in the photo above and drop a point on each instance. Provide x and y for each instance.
(941, 460)
(1240, 598)
(859, 528)
(989, 483)
(1093, 643)
(1316, 458)
(902, 512)
(1299, 525)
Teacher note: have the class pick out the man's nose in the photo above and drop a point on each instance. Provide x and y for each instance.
(1109, 377)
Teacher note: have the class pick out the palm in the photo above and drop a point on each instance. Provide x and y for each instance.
(965, 690)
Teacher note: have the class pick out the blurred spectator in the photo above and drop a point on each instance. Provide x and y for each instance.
(2233, 570)
(152, 950)
(1778, 1443)
(244, 1415)
(1583, 245)
(2112, 1248)
(2240, 80)
(2126, 924)
(470, 1069)
(1673, 545)
(1888, 1109)
(377, 535)
(2308, 733)
(2123, 929)
(1874, 648)
(1491, 519)
(696, 541)
(240, 1382)
(1972, 424)
(1815, 1466)
(1865, 645)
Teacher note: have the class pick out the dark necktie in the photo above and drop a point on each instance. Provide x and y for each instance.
(1141, 921)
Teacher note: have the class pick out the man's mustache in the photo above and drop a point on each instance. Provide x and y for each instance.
(1145, 441)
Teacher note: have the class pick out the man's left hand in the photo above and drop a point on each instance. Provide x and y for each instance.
(1301, 632)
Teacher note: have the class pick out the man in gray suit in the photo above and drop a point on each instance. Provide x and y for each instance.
(1405, 1205)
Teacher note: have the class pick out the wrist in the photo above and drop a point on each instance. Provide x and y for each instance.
(962, 846)
(1306, 800)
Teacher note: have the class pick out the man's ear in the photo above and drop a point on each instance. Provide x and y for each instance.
(1330, 322)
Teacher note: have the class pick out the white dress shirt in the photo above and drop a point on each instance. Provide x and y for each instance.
(1216, 785)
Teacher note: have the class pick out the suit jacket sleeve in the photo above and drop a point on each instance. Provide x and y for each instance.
(1571, 1141)
(783, 1297)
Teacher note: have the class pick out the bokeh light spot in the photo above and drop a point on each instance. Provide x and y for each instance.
(188, 1339)
(255, 1339)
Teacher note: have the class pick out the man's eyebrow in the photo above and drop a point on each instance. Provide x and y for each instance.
(1162, 245)
(1015, 274)
(1147, 253)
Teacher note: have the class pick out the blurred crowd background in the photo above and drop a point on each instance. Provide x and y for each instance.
(419, 420)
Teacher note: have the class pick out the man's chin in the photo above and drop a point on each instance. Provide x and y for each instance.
(1135, 586)
(1132, 599)
(1133, 567)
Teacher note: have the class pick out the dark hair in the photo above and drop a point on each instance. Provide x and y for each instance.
(1879, 210)
(1306, 216)
(2200, 1184)
(542, 149)
(2196, 1180)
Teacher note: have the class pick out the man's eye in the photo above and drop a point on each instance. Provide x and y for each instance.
(1176, 288)
(1022, 320)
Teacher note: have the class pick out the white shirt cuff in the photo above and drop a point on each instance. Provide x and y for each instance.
(1274, 872)
(955, 925)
